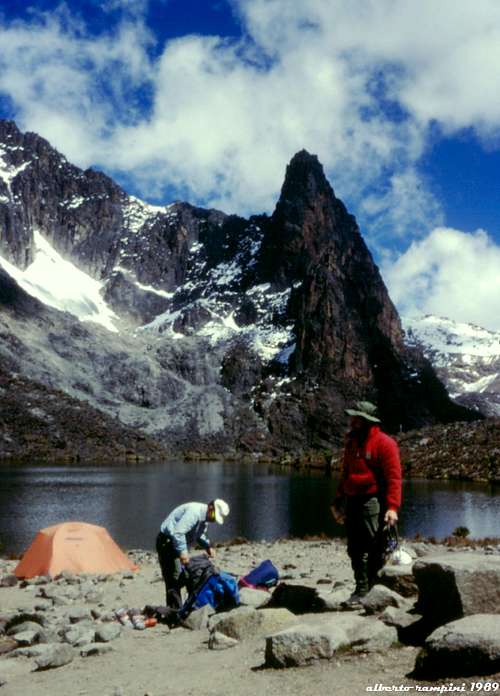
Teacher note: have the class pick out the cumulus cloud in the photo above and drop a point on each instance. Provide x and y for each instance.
(216, 120)
(449, 273)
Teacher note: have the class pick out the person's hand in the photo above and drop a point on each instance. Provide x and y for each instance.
(391, 517)
(184, 558)
(338, 514)
(211, 552)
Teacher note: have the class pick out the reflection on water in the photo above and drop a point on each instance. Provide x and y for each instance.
(266, 502)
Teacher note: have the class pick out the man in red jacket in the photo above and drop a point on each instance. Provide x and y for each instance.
(369, 493)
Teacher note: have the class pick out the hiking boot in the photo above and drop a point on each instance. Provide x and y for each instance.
(354, 601)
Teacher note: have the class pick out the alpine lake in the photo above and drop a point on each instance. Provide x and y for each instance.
(267, 501)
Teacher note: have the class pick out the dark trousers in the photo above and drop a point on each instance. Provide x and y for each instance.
(363, 525)
(171, 570)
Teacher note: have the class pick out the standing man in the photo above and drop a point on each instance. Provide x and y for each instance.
(185, 526)
(369, 494)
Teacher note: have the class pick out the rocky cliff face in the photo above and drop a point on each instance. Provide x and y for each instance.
(230, 333)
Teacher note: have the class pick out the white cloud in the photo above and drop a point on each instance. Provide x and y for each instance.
(224, 117)
(450, 273)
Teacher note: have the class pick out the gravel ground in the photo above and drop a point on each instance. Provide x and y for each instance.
(159, 662)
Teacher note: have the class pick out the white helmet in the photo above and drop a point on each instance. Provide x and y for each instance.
(221, 510)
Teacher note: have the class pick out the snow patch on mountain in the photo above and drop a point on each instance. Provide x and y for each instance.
(60, 284)
(447, 337)
(269, 340)
(9, 172)
(136, 213)
(465, 356)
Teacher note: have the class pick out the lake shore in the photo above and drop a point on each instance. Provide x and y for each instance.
(454, 451)
(178, 662)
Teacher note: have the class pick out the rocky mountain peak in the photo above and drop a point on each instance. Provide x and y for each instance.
(247, 333)
(305, 180)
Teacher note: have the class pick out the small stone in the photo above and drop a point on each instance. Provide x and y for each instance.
(107, 632)
(8, 581)
(79, 614)
(24, 638)
(219, 641)
(58, 656)
(95, 649)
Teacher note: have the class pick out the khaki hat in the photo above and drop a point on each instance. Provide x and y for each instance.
(221, 510)
(364, 409)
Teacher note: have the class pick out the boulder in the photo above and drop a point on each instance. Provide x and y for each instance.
(453, 585)
(254, 598)
(321, 639)
(461, 648)
(304, 643)
(246, 622)
(380, 597)
(399, 578)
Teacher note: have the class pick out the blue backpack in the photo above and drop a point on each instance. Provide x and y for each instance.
(264, 575)
(220, 591)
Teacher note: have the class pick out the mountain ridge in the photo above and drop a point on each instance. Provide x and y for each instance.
(233, 334)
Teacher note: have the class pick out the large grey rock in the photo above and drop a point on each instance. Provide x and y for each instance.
(399, 578)
(246, 622)
(254, 598)
(57, 656)
(453, 585)
(380, 597)
(303, 643)
(321, 639)
(468, 646)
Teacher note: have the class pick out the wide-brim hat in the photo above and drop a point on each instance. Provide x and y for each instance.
(364, 409)
(221, 510)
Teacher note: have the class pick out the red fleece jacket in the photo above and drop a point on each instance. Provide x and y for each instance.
(372, 467)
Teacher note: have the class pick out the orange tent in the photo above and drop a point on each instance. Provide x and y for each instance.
(76, 547)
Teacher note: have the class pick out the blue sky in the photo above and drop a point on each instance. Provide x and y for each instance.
(207, 101)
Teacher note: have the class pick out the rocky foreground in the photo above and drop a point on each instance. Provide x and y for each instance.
(430, 624)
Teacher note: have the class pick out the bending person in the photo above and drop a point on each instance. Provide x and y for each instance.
(184, 527)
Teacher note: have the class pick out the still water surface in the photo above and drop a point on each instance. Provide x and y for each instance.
(266, 502)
